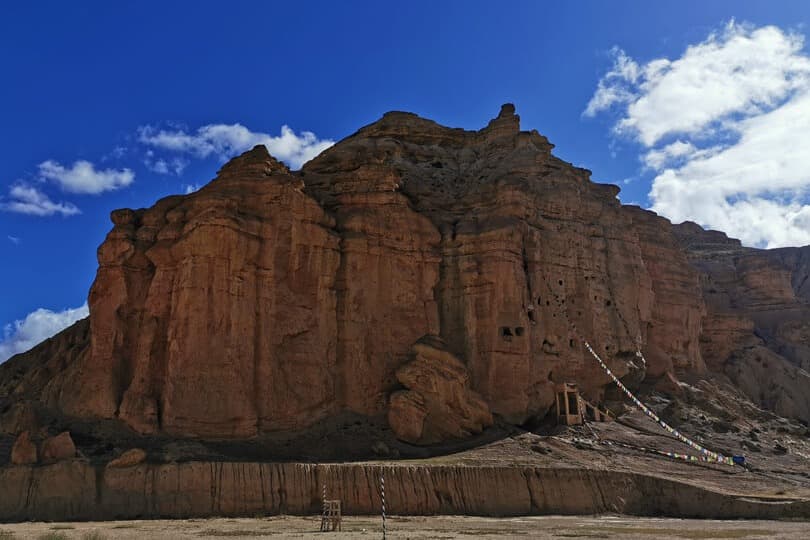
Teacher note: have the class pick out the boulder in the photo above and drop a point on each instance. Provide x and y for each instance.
(438, 404)
(58, 448)
(24, 451)
(131, 457)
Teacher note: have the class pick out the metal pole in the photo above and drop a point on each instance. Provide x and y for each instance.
(323, 512)
(382, 497)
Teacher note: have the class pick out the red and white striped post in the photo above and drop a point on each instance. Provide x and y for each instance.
(382, 498)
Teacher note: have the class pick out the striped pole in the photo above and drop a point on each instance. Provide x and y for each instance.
(382, 498)
(323, 514)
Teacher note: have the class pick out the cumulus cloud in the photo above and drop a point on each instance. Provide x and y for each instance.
(226, 140)
(615, 86)
(39, 325)
(191, 188)
(14, 239)
(657, 158)
(724, 130)
(83, 177)
(26, 199)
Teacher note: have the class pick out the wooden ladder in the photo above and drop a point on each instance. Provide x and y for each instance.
(331, 519)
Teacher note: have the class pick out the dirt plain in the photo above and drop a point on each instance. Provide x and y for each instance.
(421, 527)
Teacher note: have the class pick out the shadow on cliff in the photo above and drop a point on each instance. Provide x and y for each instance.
(340, 439)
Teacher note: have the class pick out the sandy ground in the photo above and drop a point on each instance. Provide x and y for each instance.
(439, 527)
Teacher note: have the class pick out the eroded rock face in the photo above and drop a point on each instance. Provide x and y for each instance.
(438, 404)
(757, 326)
(75, 491)
(519, 264)
(270, 300)
(214, 315)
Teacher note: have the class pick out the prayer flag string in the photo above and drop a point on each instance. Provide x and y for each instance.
(706, 454)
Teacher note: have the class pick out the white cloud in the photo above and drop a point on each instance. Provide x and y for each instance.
(191, 188)
(657, 158)
(83, 177)
(174, 166)
(737, 71)
(14, 239)
(226, 140)
(37, 326)
(26, 199)
(614, 87)
(725, 129)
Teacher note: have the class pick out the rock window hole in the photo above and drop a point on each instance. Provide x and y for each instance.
(531, 315)
(519, 331)
(572, 343)
(608, 303)
(506, 332)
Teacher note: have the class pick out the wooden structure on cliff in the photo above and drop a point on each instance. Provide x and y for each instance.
(573, 410)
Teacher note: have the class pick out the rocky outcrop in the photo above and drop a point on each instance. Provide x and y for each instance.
(58, 448)
(24, 451)
(518, 262)
(75, 491)
(438, 404)
(271, 300)
(211, 314)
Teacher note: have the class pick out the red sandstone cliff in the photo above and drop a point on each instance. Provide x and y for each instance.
(271, 300)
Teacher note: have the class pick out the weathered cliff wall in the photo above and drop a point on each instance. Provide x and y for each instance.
(757, 326)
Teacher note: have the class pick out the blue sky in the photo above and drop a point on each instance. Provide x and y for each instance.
(108, 104)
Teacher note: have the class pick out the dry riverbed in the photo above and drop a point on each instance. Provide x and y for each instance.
(413, 527)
